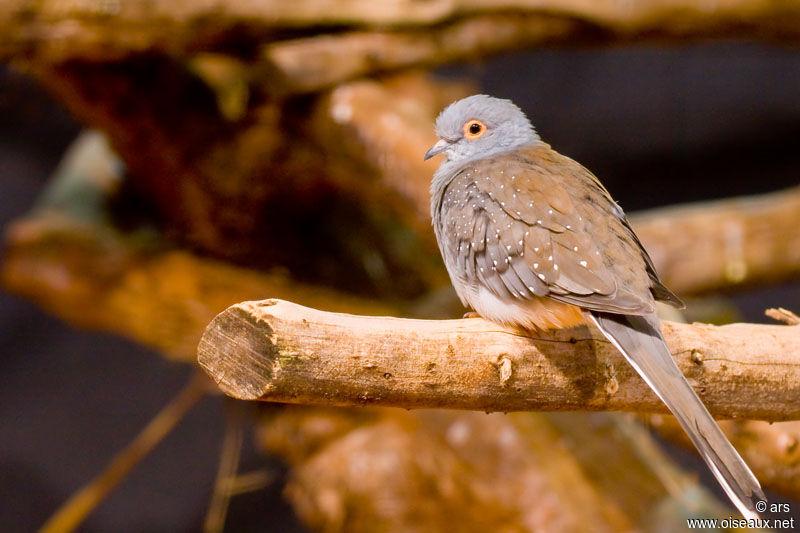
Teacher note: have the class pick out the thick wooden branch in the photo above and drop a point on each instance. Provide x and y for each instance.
(274, 350)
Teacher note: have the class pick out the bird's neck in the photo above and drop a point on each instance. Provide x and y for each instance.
(451, 167)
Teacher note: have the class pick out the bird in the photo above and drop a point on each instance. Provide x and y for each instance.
(532, 240)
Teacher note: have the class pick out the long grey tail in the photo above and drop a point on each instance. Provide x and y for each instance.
(640, 341)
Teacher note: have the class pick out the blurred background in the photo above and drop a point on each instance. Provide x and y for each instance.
(161, 163)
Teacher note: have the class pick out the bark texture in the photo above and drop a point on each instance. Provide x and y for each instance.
(278, 351)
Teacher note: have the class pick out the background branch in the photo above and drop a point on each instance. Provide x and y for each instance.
(92, 31)
(712, 245)
(279, 351)
(72, 512)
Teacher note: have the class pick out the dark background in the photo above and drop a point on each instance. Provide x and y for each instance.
(659, 125)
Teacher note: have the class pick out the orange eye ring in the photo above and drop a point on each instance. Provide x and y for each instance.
(474, 129)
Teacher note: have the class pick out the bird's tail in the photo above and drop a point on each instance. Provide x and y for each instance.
(640, 341)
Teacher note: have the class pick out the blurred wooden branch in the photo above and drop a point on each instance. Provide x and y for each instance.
(783, 315)
(279, 351)
(725, 243)
(313, 63)
(439, 470)
(68, 257)
(101, 31)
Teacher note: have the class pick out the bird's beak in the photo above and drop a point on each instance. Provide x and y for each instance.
(437, 148)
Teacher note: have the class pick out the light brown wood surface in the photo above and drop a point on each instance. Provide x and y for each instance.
(278, 351)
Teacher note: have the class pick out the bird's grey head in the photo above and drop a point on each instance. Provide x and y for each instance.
(479, 126)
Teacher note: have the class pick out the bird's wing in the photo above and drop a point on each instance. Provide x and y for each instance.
(534, 223)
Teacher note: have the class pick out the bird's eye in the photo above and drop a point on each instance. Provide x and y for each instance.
(473, 129)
